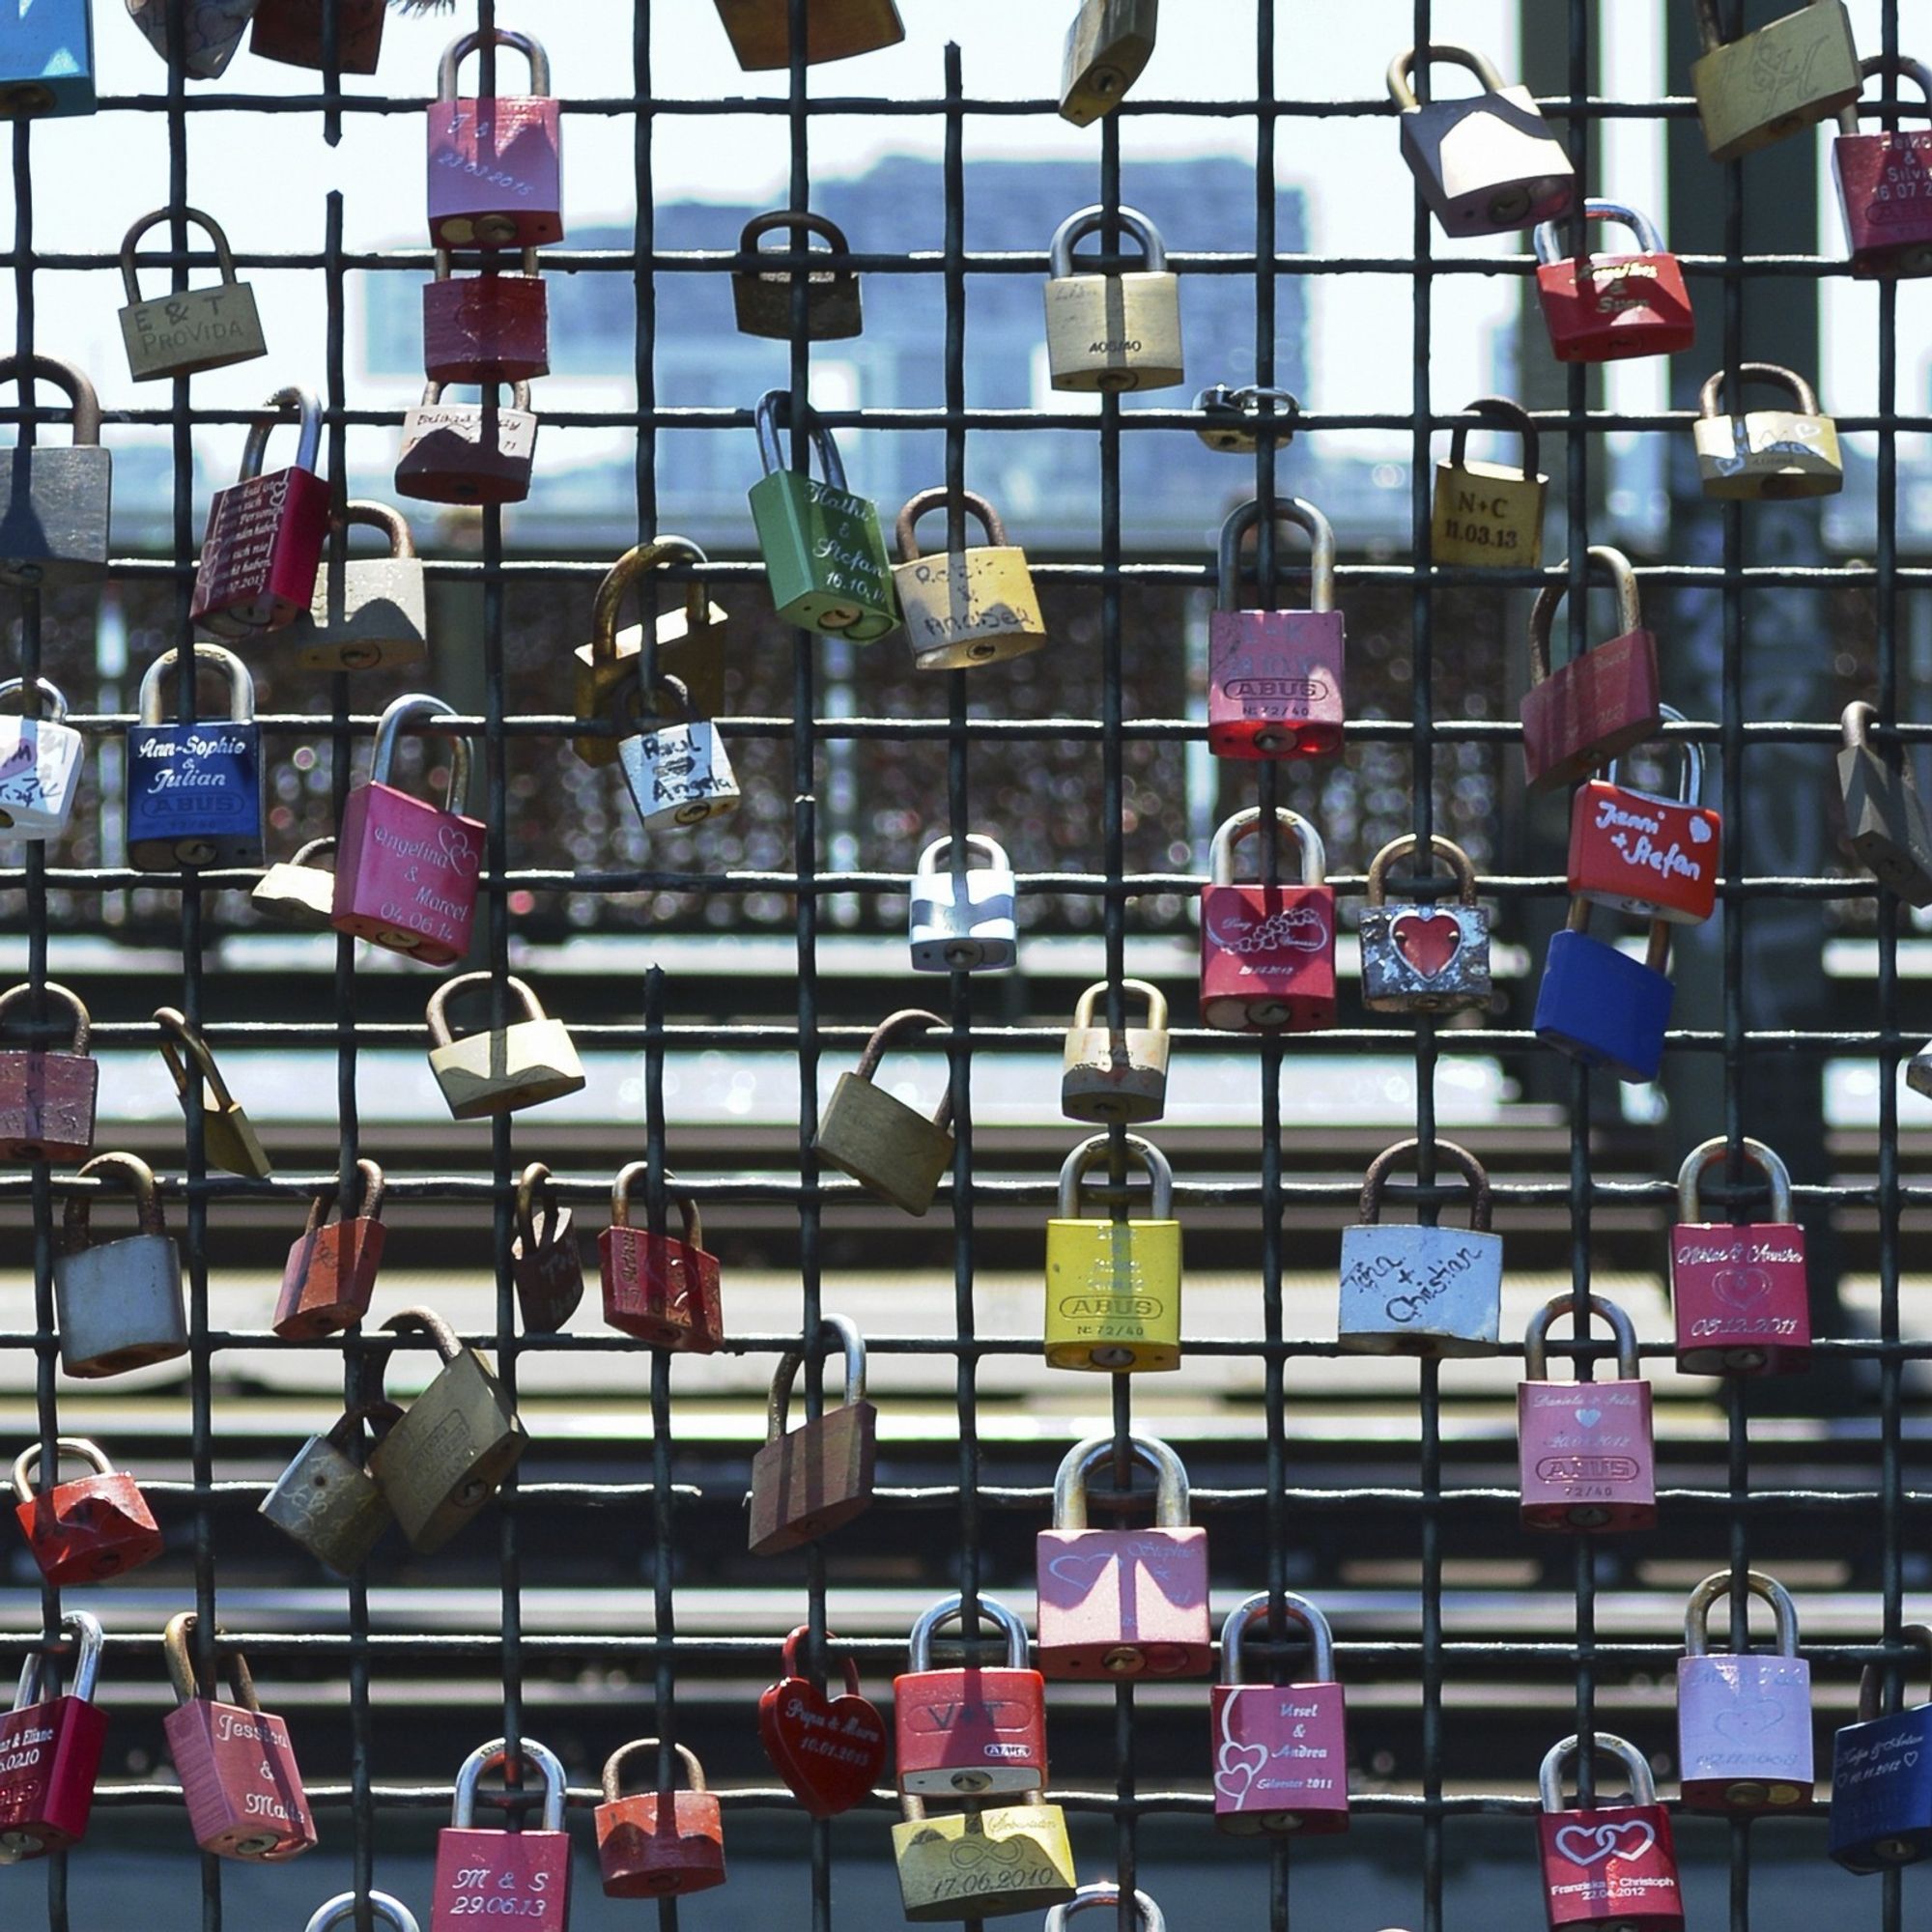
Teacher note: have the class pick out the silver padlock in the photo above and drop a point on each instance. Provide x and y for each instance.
(1424, 956)
(117, 1305)
(382, 1911)
(368, 612)
(39, 763)
(1744, 1717)
(1109, 1076)
(679, 772)
(1112, 331)
(1415, 1291)
(962, 920)
(328, 1503)
(1232, 417)
(296, 893)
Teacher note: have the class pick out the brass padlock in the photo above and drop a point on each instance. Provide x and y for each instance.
(970, 607)
(990, 1862)
(1112, 331)
(189, 329)
(455, 1444)
(367, 612)
(1233, 418)
(1490, 513)
(760, 30)
(1109, 1076)
(761, 296)
(297, 892)
(521, 1065)
(808, 1481)
(1767, 455)
(228, 1137)
(1765, 85)
(329, 1502)
(885, 1146)
(1885, 816)
(1108, 45)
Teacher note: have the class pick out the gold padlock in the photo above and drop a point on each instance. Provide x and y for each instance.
(886, 1146)
(297, 892)
(1113, 1286)
(1488, 513)
(1107, 1075)
(1108, 45)
(1767, 455)
(521, 1065)
(970, 607)
(228, 1137)
(987, 1864)
(1112, 331)
(1765, 85)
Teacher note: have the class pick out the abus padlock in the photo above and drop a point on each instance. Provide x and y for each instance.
(1885, 816)
(1783, 77)
(521, 1874)
(1740, 1290)
(1490, 513)
(1579, 717)
(1767, 455)
(383, 1910)
(194, 791)
(830, 1750)
(118, 1304)
(972, 605)
(54, 502)
(1281, 1750)
(48, 1095)
(468, 452)
(39, 763)
(489, 327)
(987, 1864)
(237, 1767)
(658, 1288)
(87, 1531)
(329, 1502)
(1585, 1448)
(1640, 852)
(1110, 1074)
(187, 330)
(1233, 418)
(1606, 1867)
(1111, 329)
(1600, 1005)
(1274, 678)
(1424, 956)
(229, 1141)
(1882, 1778)
(761, 296)
(1107, 45)
(544, 1261)
(1486, 163)
(330, 1272)
(1267, 952)
(678, 771)
(455, 1444)
(660, 1843)
(1112, 1286)
(367, 612)
(809, 1480)
(293, 32)
(50, 1750)
(824, 553)
(1123, 1602)
(888, 1147)
(293, 892)
(1421, 1291)
(961, 920)
(1885, 185)
(46, 60)
(760, 30)
(494, 168)
(1606, 308)
(209, 32)
(970, 1730)
(1744, 1719)
(506, 1068)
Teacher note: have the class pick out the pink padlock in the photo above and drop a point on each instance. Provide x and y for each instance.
(1606, 1867)
(1587, 1460)
(1744, 1717)
(495, 176)
(1885, 185)
(1740, 1289)
(50, 1750)
(1281, 1751)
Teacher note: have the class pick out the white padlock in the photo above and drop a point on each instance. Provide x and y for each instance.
(962, 920)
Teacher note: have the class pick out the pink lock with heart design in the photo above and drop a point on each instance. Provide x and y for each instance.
(1586, 1456)
(1280, 1750)
(1741, 1294)
(1610, 1867)
(1744, 1717)
(1424, 956)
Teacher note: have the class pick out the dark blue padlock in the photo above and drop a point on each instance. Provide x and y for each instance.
(46, 59)
(194, 791)
(1881, 1779)
(1601, 1006)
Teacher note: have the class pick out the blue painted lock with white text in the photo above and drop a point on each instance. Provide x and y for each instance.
(1882, 1780)
(194, 791)
(1601, 1006)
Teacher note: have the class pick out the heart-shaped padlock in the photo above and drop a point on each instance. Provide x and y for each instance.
(830, 1750)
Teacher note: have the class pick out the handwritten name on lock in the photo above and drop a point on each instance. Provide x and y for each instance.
(1637, 837)
(451, 851)
(1410, 1289)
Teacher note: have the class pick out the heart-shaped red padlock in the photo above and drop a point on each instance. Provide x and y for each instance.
(830, 1750)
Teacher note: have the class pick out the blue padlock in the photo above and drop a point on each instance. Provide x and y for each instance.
(1601, 1006)
(1881, 1779)
(47, 58)
(194, 791)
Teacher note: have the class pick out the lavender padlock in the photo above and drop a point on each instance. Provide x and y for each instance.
(1281, 1751)
(1744, 1717)
(1587, 1459)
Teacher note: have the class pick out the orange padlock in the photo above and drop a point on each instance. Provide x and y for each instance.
(660, 1843)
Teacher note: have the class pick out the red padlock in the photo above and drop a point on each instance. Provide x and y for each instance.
(1604, 308)
(468, 452)
(1885, 185)
(522, 1875)
(50, 1750)
(830, 1750)
(1637, 852)
(332, 1267)
(662, 1843)
(1274, 678)
(1267, 953)
(490, 327)
(662, 1290)
(47, 1095)
(1742, 1301)
(290, 31)
(237, 1767)
(87, 1531)
(1607, 1867)
(1587, 1458)
(1281, 1751)
(495, 177)
(968, 1731)
(544, 1261)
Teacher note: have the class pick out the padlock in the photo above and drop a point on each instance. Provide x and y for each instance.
(1783, 77)
(1487, 163)
(468, 452)
(809, 1480)
(1744, 1719)
(521, 1874)
(1885, 185)
(50, 1750)
(1600, 1005)
(661, 1289)
(210, 31)
(1642, 853)
(1584, 1449)
(824, 553)
(962, 921)
(1603, 702)
(522, 1064)
(761, 296)
(1882, 1778)
(1113, 1286)
(1767, 455)
(330, 1272)
(1606, 1867)
(1267, 952)
(1123, 1602)
(678, 771)
(455, 1444)
(1421, 1291)
(46, 60)
(187, 330)
(1424, 956)
(969, 1731)
(229, 1141)
(1740, 1290)
(118, 1304)
(368, 612)
(1606, 308)
(970, 607)
(1106, 1894)
(329, 1502)
(1885, 816)
(830, 1750)
(489, 327)
(660, 1843)
(760, 30)
(389, 839)
(889, 1149)
(1231, 418)
(291, 32)
(988, 1864)
(1274, 678)
(237, 1767)
(1918, 1072)
(1107, 45)
(544, 1261)
(47, 1093)
(295, 892)
(1488, 514)
(40, 764)
(1108, 1074)
(494, 167)
(194, 791)
(54, 502)
(382, 1911)
(1118, 329)
(1281, 1750)
(87, 1531)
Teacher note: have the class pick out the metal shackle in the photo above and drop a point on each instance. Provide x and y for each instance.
(1295, 1611)
(1461, 1159)
(436, 1015)
(1536, 1336)
(1301, 513)
(628, 1177)
(1267, 408)
(1402, 70)
(971, 503)
(182, 1674)
(1447, 850)
(1090, 221)
(520, 394)
(1772, 373)
(369, 1207)
(178, 1038)
(1903, 67)
(42, 1663)
(533, 1188)
(379, 1417)
(371, 515)
(1603, 1744)
(1093, 1149)
(888, 1029)
(195, 219)
(1755, 1155)
(62, 996)
(1614, 564)
(28, 1462)
(952, 1609)
(444, 269)
(469, 44)
(1691, 786)
(486, 1757)
(419, 707)
(1232, 831)
(1868, 1677)
(1089, 1004)
(613, 1765)
(1855, 725)
(1069, 1484)
(774, 403)
(1697, 1611)
(988, 849)
(54, 696)
(78, 1217)
(341, 1911)
(1106, 1893)
(240, 686)
(1549, 237)
(426, 1322)
(308, 413)
(27, 370)
(635, 563)
(846, 1331)
(795, 222)
(1657, 948)
(1511, 418)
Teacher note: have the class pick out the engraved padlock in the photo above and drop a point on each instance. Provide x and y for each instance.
(1112, 330)
(521, 1874)
(971, 1729)
(1424, 956)
(677, 771)
(293, 892)
(660, 1843)
(888, 1147)
(210, 31)
(229, 1141)
(809, 1480)
(1882, 1778)
(761, 296)
(760, 30)
(1885, 184)
(330, 1273)
(506, 1068)
(1267, 952)
(1766, 455)
(961, 920)
(1606, 308)
(86, 1530)
(39, 763)
(544, 1258)
(46, 1091)
(1788, 75)
(972, 606)
(1586, 1453)
(327, 1502)
(487, 328)
(1233, 419)
(1885, 815)
(1109, 1075)
(831, 1752)
(468, 452)
(1744, 1717)
(1606, 1867)
(1112, 1286)
(1107, 45)
(368, 612)
(1640, 852)
(660, 1287)
(118, 1304)
(987, 1864)
(187, 330)
(1281, 1750)
(494, 167)
(50, 1749)
(194, 791)
(1489, 514)
(54, 500)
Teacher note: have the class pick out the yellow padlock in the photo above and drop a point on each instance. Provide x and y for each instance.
(968, 607)
(1490, 515)
(989, 1863)
(1113, 1286)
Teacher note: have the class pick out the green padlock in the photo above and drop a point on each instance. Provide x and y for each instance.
(824, 552)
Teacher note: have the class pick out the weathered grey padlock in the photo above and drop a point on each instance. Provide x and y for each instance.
(1107, 45)
(679, 772)
(521, 1065)
(189, 329)
(1885, 816)
(1113, 331)
(1767, 455)
(972, 606)
(963, 921)
(39, 763)
(329, 1502)
(1424, 956)
(761, 296)
(228, 1137)
(118, 1304)
(885, 1146)
(1107, 1075)
(368, 612)
(54, 500)
(296, 893)
(1235, 418)
(1788, 75)
(1488, 515)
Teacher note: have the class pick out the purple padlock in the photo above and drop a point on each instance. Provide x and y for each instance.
(1281, 1750)
(1586, 1455)
(1744, 1717)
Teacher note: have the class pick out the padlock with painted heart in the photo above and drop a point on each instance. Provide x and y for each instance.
(1281, 1757)
(830, 1750)
(1740, 1287)
(1424, 956)
(1607, 1866)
